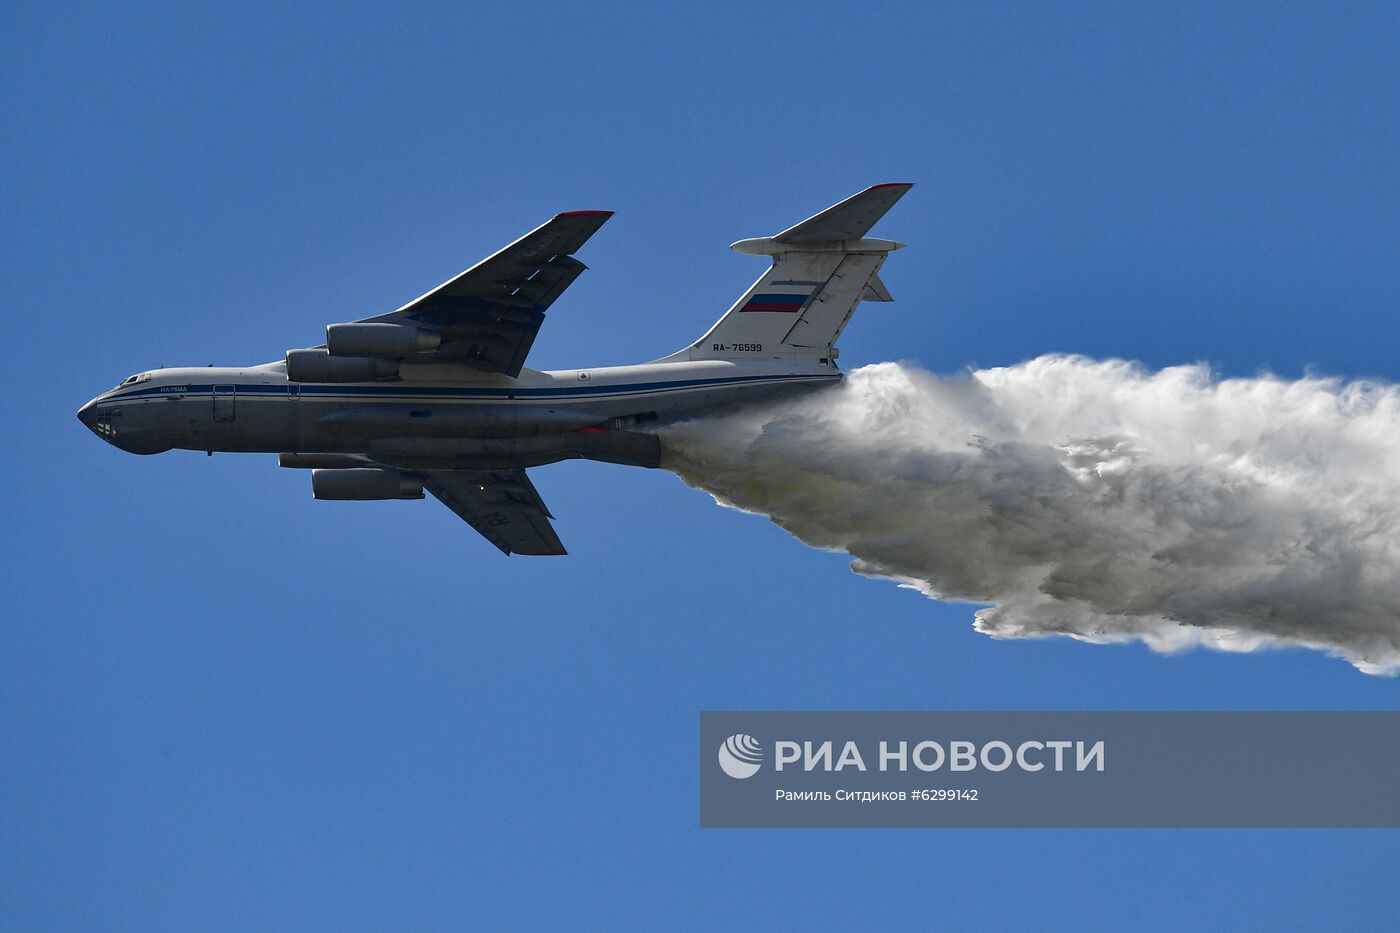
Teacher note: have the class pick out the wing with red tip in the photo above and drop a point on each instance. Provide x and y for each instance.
(501, 504)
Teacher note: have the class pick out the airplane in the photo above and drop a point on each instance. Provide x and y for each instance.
(436, 397)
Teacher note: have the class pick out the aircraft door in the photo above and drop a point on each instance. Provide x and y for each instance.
(224, 398)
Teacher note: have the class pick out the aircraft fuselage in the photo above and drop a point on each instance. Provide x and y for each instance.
(493, 422)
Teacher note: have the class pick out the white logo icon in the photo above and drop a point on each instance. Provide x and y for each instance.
(741, 756)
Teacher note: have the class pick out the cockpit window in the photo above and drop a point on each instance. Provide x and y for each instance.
(133, 380)
(101, 423)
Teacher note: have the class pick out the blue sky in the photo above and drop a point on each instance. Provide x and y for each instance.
(228, 706)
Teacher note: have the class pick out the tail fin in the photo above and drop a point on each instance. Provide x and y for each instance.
(822, 268)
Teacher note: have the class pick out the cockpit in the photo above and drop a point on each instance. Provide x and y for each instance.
(132, 380)
(124, 418)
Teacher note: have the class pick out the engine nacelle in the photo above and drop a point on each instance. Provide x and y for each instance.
(379, 339)
(362, 484)
(320, 366)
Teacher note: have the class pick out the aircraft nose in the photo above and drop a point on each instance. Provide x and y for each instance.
(106, 422)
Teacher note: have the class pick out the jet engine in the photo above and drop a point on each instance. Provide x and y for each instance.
(379, 339)
(320, 366)
(361, 484)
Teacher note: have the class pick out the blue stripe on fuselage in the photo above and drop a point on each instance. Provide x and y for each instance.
(463, 392)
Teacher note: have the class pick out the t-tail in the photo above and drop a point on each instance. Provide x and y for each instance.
(822, 268)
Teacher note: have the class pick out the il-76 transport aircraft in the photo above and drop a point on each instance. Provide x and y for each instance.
(435, 396)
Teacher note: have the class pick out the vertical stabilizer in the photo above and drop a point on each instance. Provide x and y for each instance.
(822, 268)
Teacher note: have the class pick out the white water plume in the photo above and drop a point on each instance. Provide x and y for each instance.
(1093, 499)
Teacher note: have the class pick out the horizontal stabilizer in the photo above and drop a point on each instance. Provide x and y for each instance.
(849, 220)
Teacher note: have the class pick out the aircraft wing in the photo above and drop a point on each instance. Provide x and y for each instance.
(489, 314)
(501, 504)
